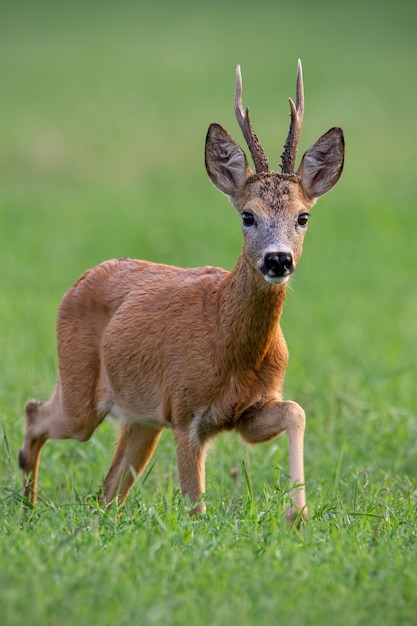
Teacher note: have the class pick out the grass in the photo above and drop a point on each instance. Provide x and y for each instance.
(104, 113)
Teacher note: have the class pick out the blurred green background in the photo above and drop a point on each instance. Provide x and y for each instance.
(103, 112)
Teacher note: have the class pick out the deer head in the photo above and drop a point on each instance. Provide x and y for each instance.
(274, 206)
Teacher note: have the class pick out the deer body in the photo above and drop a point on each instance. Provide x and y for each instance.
(196, 350)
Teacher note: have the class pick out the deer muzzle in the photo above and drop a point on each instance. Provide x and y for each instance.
(277, 267)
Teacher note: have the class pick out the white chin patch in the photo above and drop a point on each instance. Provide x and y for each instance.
(276, 280)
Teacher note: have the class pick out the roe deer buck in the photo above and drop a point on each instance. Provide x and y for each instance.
(197, 350)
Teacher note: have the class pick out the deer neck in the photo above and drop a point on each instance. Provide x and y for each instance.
(250, 310)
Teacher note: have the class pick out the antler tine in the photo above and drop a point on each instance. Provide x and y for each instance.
(259, 159)
(297, 113)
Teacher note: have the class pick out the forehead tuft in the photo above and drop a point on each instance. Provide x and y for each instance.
(272, 187)
(276, 176)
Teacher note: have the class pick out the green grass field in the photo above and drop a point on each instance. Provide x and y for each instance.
(104, 110)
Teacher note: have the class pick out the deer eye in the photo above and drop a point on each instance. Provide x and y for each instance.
(248, 219)
(302, 219)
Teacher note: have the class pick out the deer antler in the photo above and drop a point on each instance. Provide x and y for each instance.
(259, 159)
(297, 112)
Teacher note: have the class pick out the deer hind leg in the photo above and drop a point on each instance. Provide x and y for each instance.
(270, 421)
(50, 420)
(135, 446)
(29, 454)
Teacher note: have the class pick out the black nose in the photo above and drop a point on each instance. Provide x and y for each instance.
(278, 263)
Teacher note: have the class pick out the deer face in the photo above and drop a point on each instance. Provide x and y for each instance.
(274, 223)
(274, 207)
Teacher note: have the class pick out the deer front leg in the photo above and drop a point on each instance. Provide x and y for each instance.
(191, 458)
(268, 422)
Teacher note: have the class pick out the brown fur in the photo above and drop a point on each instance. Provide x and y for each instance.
(199, 351)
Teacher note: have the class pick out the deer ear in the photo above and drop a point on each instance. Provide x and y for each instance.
(322, 164)
(226, 163)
